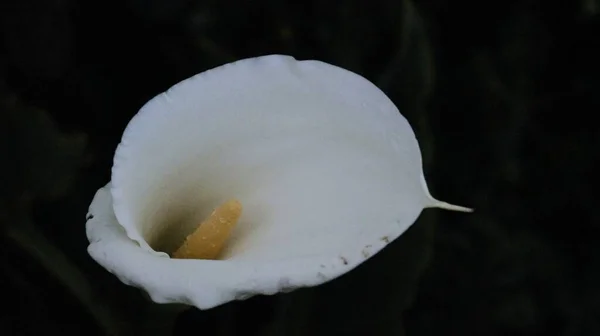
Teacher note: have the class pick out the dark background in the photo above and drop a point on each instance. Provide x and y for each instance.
(498, 94)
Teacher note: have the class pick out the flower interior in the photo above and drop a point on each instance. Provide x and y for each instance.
(320, 158)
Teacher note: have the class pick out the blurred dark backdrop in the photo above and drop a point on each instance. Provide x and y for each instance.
(497, 92)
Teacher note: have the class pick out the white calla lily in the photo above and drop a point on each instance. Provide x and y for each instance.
(327, 170)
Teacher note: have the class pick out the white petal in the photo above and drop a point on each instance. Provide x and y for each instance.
(327, 170)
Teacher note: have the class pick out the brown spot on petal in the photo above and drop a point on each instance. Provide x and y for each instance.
(386, 239)
(365, 251)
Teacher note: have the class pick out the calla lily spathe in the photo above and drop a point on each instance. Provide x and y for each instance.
(327, 169)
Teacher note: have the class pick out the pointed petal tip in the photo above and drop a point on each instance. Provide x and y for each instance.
(451, 207)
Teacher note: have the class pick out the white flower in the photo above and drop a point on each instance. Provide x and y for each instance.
(326, 168)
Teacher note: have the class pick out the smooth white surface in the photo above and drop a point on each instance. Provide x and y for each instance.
(327, 169)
